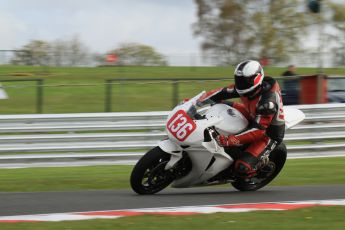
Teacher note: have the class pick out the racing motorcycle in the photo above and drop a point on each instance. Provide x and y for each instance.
(191, 156)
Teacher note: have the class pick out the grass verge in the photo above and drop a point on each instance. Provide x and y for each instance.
(296, 172)
(310, 218)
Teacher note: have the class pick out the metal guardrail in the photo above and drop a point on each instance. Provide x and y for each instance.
(106, 138)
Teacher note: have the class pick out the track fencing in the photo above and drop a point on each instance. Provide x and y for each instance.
(121, 138)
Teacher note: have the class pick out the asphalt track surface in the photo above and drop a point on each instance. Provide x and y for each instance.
(57, 202)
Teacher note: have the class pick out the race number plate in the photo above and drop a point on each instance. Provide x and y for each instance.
(181, 125)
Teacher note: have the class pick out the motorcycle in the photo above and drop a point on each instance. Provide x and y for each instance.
(191, 156)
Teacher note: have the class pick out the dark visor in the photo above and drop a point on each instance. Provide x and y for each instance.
(243, 83)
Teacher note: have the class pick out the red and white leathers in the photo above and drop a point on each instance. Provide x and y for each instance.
(265, 112)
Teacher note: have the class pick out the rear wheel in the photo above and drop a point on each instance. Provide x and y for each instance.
(149, 175)
(266, 174)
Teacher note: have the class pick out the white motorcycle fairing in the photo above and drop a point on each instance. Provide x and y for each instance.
(186, 134)
(200, 159)
(225, 119)
(200, 172)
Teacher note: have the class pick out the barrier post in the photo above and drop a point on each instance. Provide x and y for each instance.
(108, 95)
(39, 101)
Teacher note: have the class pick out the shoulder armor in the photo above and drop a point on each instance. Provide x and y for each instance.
(267, 105)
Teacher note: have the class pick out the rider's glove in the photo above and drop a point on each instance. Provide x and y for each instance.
(227, 141)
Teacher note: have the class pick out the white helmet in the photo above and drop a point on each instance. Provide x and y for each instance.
(248, 76)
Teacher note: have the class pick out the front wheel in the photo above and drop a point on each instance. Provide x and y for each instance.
(149, 175)
(266, 174)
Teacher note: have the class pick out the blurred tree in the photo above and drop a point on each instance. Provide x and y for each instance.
(77, 52)
(277, 27)
(338, 19)
(36, 53)
(57, 53)
(222, 24)
(21, 57)
(138, 55)
(39, 52)
(59, 50)
(239, 29)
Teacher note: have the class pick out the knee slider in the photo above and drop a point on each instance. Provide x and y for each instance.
(243, 167)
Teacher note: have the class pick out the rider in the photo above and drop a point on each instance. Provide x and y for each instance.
(261, 104)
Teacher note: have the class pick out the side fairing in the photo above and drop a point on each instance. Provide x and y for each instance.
(231, 120)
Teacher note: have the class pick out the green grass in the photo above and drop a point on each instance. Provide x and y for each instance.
(295, 172)
(62, 95)
(312, 172)
(310, 218)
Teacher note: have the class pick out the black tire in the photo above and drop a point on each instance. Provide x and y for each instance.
(148, 175)
(266, 174)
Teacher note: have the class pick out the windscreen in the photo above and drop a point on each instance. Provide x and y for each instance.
(199, 107)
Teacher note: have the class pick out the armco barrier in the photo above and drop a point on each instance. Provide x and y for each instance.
(113, 138)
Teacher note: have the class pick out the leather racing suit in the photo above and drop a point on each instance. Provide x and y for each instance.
(265, 114)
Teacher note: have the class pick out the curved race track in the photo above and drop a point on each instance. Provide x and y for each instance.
(55, 202)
